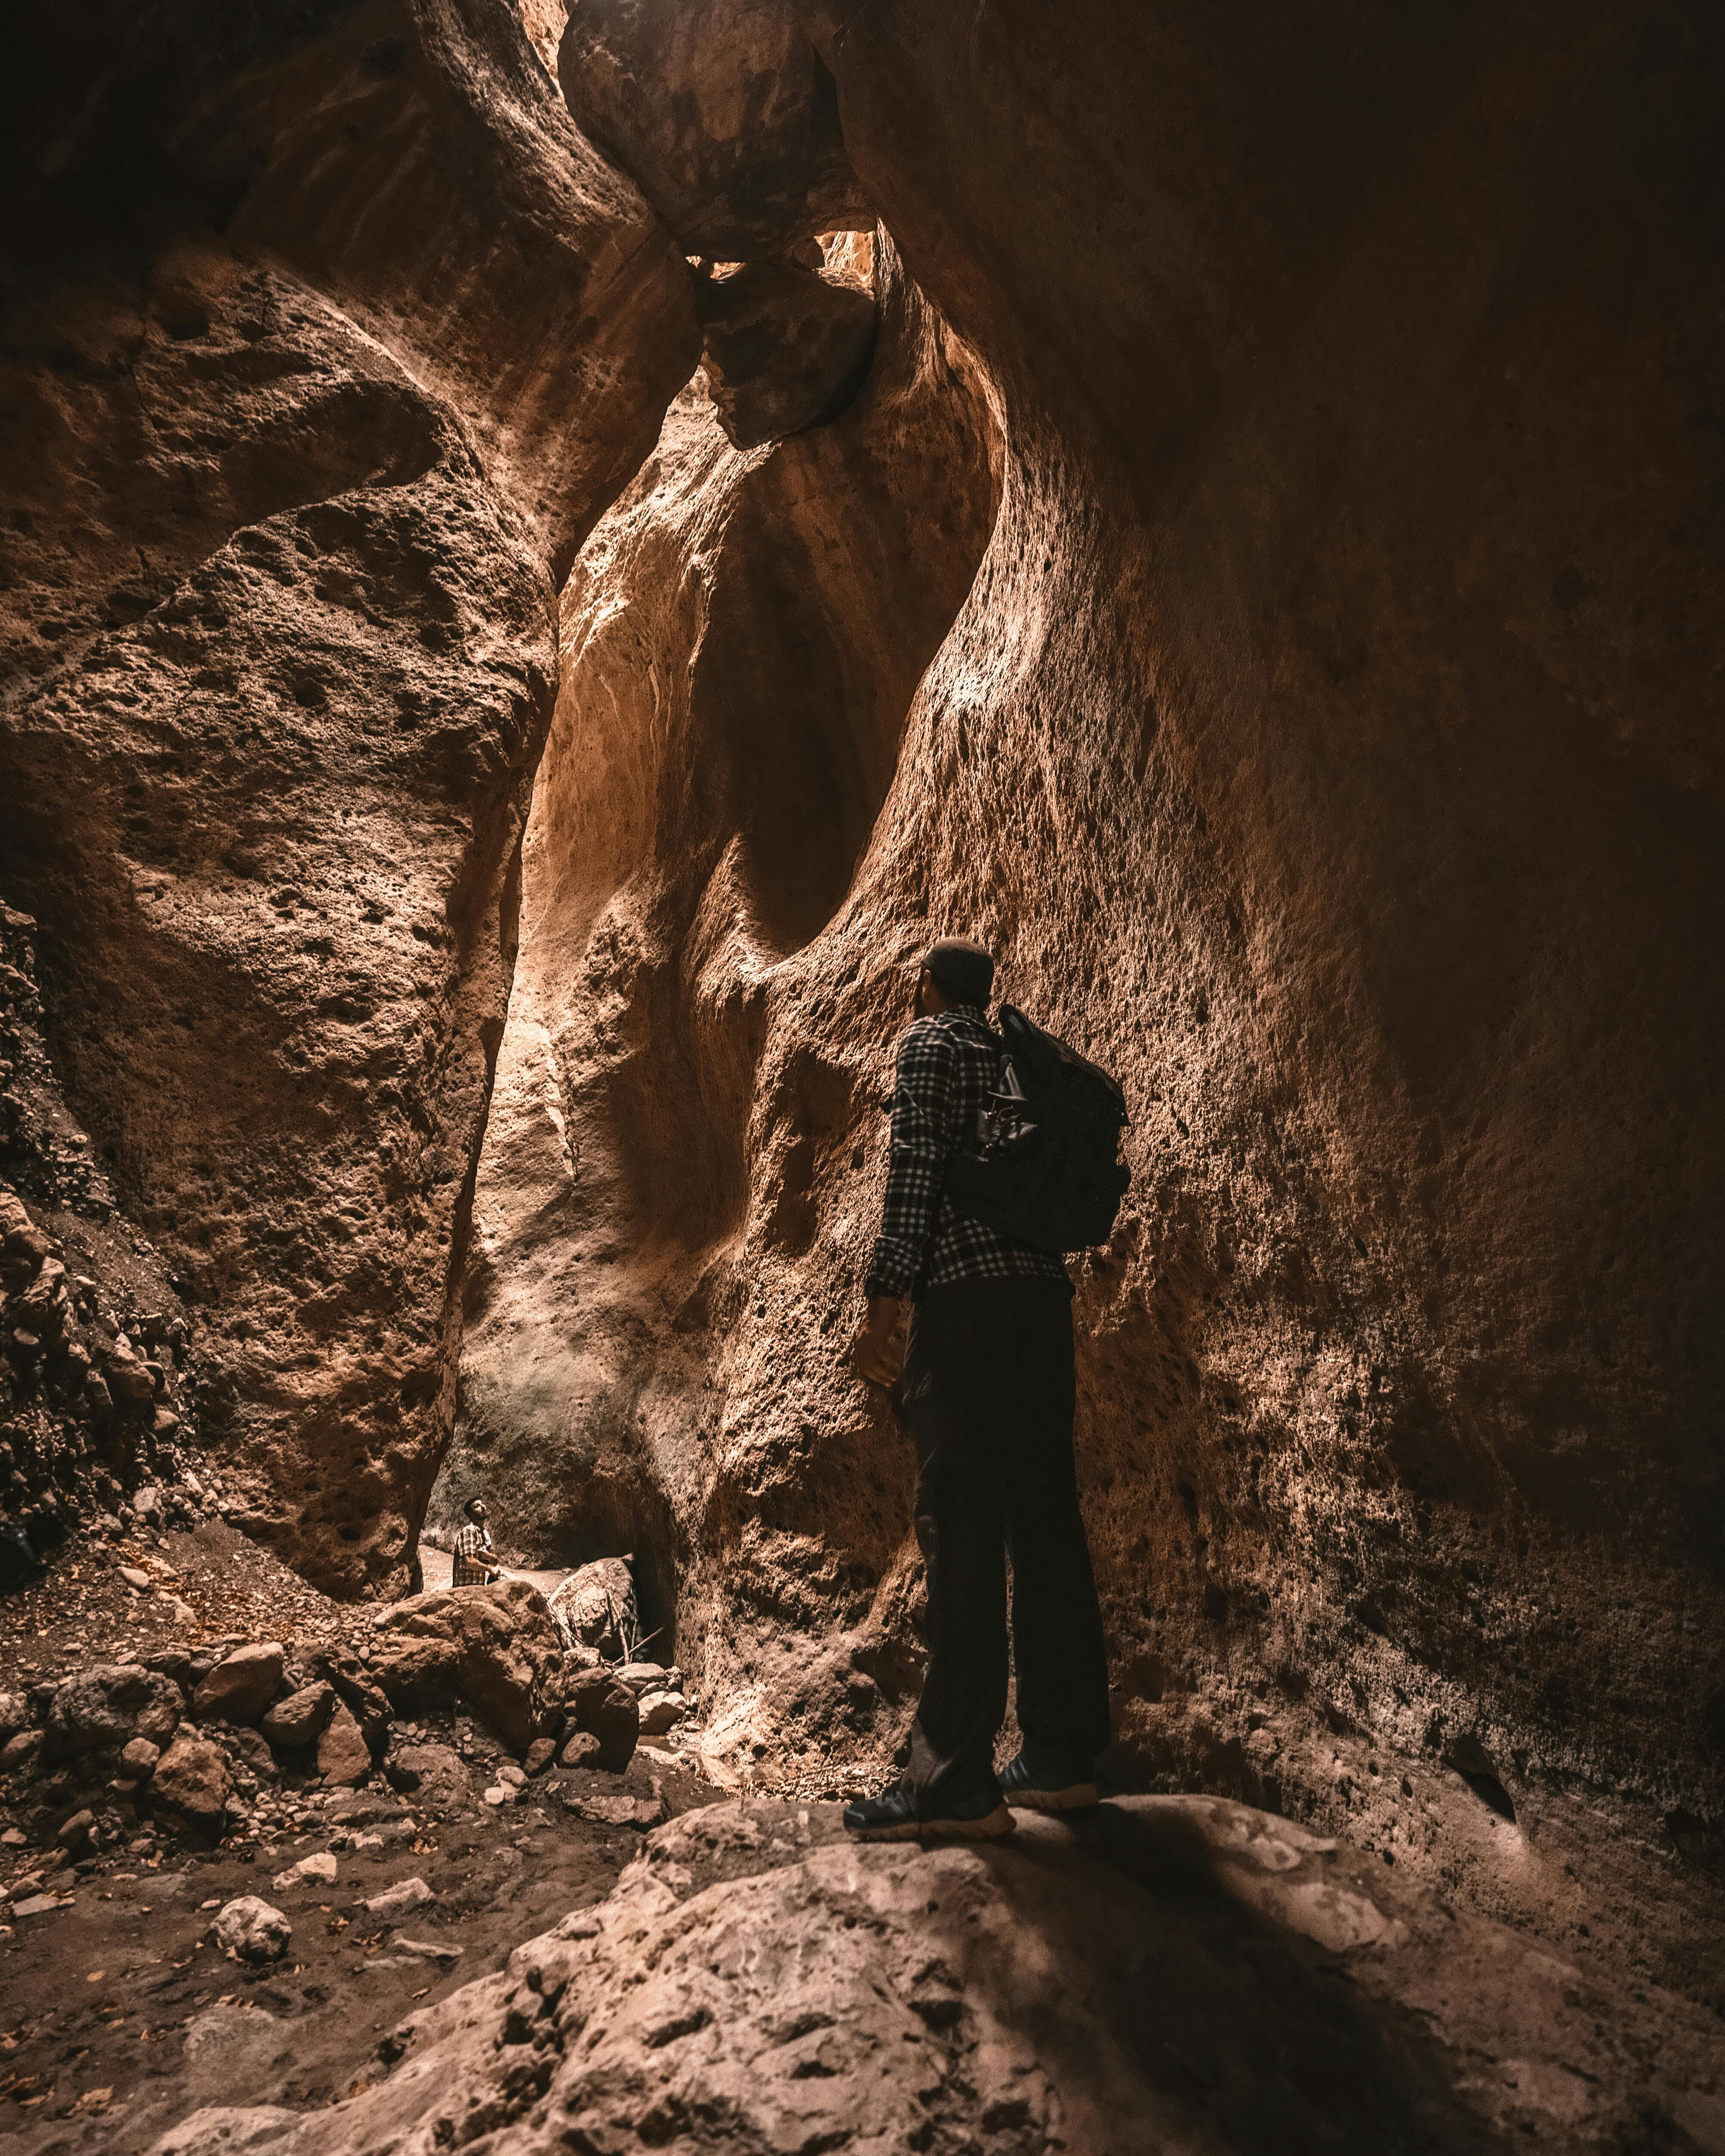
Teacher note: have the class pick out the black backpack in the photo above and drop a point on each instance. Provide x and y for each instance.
(1044, 1168)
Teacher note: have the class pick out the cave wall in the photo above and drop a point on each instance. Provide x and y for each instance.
(328, 338)
(1267, 586)
(1325, 742)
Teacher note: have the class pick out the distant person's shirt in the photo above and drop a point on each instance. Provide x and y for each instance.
(948, 1066)
(474, 1562)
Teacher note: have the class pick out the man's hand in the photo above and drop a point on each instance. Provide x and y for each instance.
(875, 1354)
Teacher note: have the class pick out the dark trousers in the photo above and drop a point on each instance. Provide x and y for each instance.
(988, 1394)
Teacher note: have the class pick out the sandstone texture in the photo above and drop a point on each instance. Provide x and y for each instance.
(539, 567)
(109, 1705)
(786, 348)
(298, 1719)
(193, 1782)
(343, 1755)
(490, 1646)
(726, 118)
(597, 1607)
(1174, 1973)
(782, 605)
(1307, 695)
(98, 1379)
(328, 338)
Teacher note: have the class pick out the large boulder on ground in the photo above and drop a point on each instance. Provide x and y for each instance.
(1178, 1973)
(191, 1781)
(595, 1608)
(297, 1721)
(107, 1706)
(241, 1684)
(495, 1646)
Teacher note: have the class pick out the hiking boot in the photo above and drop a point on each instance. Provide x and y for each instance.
(893, 1816)
(1031, 1792)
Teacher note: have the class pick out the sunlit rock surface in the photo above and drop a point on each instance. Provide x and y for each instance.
(1169, 1972)
(1322, 737)
(329, 338)
(741, 640)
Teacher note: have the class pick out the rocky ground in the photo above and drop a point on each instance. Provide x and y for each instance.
(186, 1722)
(124, 2013)
(313, 1921)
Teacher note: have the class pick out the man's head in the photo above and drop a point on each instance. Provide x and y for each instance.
(474, 1509)
(955, 971)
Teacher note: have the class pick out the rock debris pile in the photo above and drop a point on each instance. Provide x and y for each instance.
(224, 1738)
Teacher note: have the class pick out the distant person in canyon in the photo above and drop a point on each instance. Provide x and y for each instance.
(475, 1565)
(988, 1392)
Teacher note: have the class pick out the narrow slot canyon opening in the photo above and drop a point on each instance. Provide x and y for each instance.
(547, 551)
(741, 640)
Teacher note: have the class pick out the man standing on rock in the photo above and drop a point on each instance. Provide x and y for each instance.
(474, 1564)
(988, 1392)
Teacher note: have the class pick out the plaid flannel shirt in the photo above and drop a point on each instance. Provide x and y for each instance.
(948, 1066)
(474, 1562)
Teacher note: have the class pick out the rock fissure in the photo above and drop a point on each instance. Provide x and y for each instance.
(544, 559)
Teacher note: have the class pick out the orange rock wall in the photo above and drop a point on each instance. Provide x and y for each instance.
(1324, 742)
(328, 340)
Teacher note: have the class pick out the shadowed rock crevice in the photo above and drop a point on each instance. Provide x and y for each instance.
(727, 120)
(1224, 508)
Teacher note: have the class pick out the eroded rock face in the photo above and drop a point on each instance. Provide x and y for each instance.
(742, 640)
(1323, 743)
(726, 118)
(328, 341)
(786, 348)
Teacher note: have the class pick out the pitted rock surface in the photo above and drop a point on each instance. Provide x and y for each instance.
(725, 117)
(1163, 1973)
(1220, 614)
(192, 1780)
(786, 348)
(290, 495)
(494, 1645)
(251, 1928)
(110, 1704)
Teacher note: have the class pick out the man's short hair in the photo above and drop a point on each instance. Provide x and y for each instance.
(468, 1506)
(963, 971)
